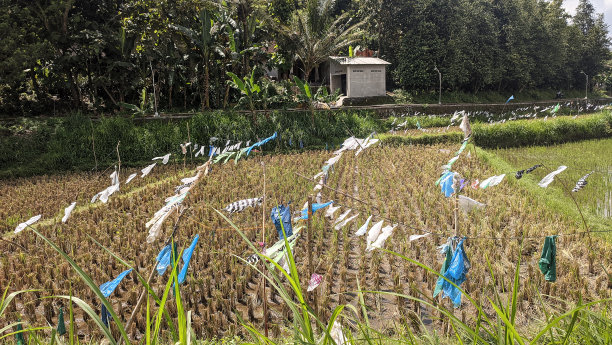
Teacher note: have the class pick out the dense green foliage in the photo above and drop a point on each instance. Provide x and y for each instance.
(542, 132)
(66, 143)
(490, 44)
(37, 147)
(149, 56)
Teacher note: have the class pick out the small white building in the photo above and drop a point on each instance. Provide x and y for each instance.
(358, 76)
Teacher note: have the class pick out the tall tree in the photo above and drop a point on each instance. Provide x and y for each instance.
(592, 40)
(317, 34)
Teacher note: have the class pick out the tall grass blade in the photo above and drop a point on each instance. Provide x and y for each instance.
(300, 309)
(148, 323)
(429, 269)
(188, 329)
(162, 305)
(92, 286)
(515, 289)
(179, 306)
(509, 326)
(570, 328)
(6, 300)
(332, 320)
(19, 331)
(71, 318)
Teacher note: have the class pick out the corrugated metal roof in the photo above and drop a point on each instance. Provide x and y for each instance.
(359, 60)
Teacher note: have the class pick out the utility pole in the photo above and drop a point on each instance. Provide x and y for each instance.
(440, 89)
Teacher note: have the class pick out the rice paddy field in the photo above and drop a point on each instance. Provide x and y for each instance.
(393, 184)
(592, 157)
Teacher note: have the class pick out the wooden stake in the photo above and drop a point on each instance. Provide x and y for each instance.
(309, 236)
(263, 205)
(456, 212)
(313, 294)
(586, 227)
(263, 240)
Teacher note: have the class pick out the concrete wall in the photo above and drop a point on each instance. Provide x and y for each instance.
(336, 68)
(365, 80)
(335, 83)
(335, 71)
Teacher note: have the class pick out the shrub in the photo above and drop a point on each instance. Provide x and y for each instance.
(61, 144)
(552, 131)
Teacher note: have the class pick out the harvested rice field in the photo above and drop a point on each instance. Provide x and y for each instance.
(395, 185)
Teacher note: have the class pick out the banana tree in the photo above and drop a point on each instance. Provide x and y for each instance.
(203, 40)
(247, 87)
(305, 96)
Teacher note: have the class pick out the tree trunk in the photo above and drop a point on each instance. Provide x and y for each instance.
(226, 99)
(217, 94)
(111, 96)
(206, 87)
(157, 90)
(312, 114)
(202, 99)
(74, 89)
(92, 89)
(307, 70)
(170, 96)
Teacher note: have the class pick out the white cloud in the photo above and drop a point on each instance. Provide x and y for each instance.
(601, 6)
(570, 6)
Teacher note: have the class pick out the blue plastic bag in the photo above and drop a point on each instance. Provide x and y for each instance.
(164, 259)
(282, 214)
(106, 316)
(186, 259)
(315, 207)
(260, 143)
(108, 287)
(447, 184)
(456, 272)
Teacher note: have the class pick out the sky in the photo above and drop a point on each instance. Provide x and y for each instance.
(601, 6)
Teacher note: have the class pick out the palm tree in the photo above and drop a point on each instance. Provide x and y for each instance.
(317, 35)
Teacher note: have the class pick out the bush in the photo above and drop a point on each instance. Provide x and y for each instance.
(56, 145)
(552, 131)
